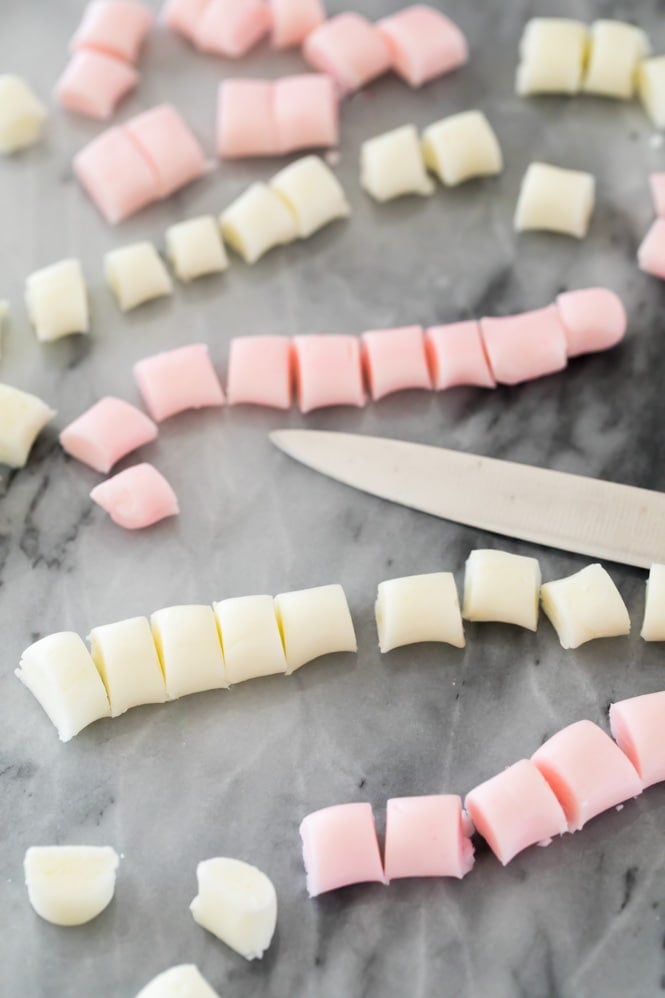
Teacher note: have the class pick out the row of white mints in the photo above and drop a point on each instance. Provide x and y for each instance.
(189, 649)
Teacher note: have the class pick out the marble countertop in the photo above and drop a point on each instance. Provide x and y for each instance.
(233, 773)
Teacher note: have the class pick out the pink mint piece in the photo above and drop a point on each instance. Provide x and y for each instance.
(425, 837)
(246, 123)
(293, 20)
(328, 371)
(177, 380)
(424, 43)
(306, 112)
(651, 253)
(340, 847)
(93, 84)
(657, 185)
(593, 319)
(168, 144)
(638, 727)
(260, 371)
(395, 359)
(106, 432)
(115, 175)
(117, 27)
(183, 16)
(456, 356)
(350, 49)
(137, 497)
(232, 27)
(525, 346)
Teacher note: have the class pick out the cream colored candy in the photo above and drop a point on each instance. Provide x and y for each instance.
(57, 300)
(503, 587)
(651, 89)
(418, 608)
(585, 606)
(126, 659)
(653, 625)
(22, 418)
(257, 221)
(136, 274)
(237, 903)
(555, 200)
(70, 885)
(392, 165)
(615, 50)
(312, 192)
(183, 981)
(460, 147)
(251, 643)
(195, 248)
(189, 649)
(314, 622)
(552, 54)
(22, 116)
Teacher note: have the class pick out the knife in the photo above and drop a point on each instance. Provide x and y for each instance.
(572, 512)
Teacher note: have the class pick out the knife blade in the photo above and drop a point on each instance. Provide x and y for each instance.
(588, 516)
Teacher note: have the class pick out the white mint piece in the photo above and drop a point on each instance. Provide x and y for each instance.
(189, 649)
(651, 88)
(418, 608)
(70, 885)
(615, 49)
(57, 300)
(314, 622)
(552, 54)
(61, 675)
(237, 903)
(585, 606)
(555, 200)
(251, 643)
(126, 658)
(183, 981)
(460, 147)
(653, 625)
(503, 587)
(21, 115)
(257, 221)
(136, 274)
(392, 165)
(195, 248)
(22, 418)
(312, 193)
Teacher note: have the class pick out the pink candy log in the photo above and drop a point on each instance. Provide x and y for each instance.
(395, 359)
(638, 725)
(424, 43)
(177, 380)
(350, 49)
(306, 112)
(521, 347)
(340, 847)
(515, 809)
(183, 16)
(593, 319)
(328, 371)
(93, 83)
(456, 356)
(117, 27)
(293, 20)
(657, 184)
(106, 432)
(425, 838)
(246, 119)
(115, 175)
(260, 371)
(136, 497)
(651, 254)
(232, 27)
(588, 773)
(168, 144)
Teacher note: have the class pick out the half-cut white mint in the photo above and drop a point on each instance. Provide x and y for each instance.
(22, 418)
(237, 903)
(183, 981)
(70, 885)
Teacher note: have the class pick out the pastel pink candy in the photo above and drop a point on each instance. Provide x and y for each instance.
(93, 83)
(651, 253)
(593, 319)
(115, 175)
(340, 847)
(177, 380)
(425, 837)
(424, 43)
(350, 49)
(515, 809)
(456, 356)
(395, 359)
(117, 27)
(292, 20)
(521, 347)
(657, 184)
(306, 112)
(136, 497)
(246, 123)
(260, 371)
(638, 725)
(586, 770)
(183, 16)
(106, 432)
(167, 143)
(328, 371)
(232, 27)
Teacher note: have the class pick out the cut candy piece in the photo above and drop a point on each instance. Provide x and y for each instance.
(588, 773)
(638, 726)
(516, 809)
(115, 175)
(126, 659)
(424, 43)
(294, 20)
(615, 50)
(22, 116)
(195, 248)
(61, 675)
(552, 55)
(585, 606)
(461, 147)
(169, 145)
(657, 185)
(392, 165)
(106, 432)
(251, 643)
(456, 356)
(117, 27)
(232, 27)
(312, 193)
(328, 371)
(593, 319)
(183, 981)
(314, 622)
(503, 587)
(350, 49)
(305, 112)
(136, 274)
(260, 371)
(425, 837)
(256, 222)
(653, 625)
(183, 16)
(418, 608)
(395, 359)
(57, 300)
(70, 885)
(525, 346)
(339, 847)
(189, 649)
(177, 380)
(237, 903)
(137, 497)
(94, 84)
(651, 89)
(246, 124)
(555, 200)
(22, 418)
(651, 253)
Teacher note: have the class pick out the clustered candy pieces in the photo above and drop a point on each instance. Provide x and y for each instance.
(22, 115)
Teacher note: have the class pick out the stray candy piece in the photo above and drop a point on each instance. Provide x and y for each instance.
(516, 809)
(305, 110)
(177, 380)
(294, 20)
(460, 147)
(424, 43)
(314, 622)
(183, 16)
(651, 253)
(195, 248)
(328, 371)
(70, 885)
(653, 625)
(126, 659)
(183, 981)
(106, 432)
(251, 643)
(22, 418)
(117, 27)
(425, 837)
(136, 497)
(246, 123)
(350, 49)
(189, 649)
(61, 675)
(22, 116)
(525, 346)
(615, 50)
(418, 608)
(503, 587)
(588, 773)
(657, 185)
(169, 146)
(257, 221)
(585, 606)
(94, 84)
(456, 356)
(116, 175)
(232, 27)
(237, 903)
(651, 90)
(260, 371)
(593, 319)
(395, 359)
(555, 200)
(136, 274)
(57, 301)
(552, 54)
(340, 847)
(312, 193)
(392, 165)
(637, 725)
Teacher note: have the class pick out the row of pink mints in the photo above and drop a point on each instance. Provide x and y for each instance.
(575, 775)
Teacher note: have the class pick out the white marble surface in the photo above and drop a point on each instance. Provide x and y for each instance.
(233, 773)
